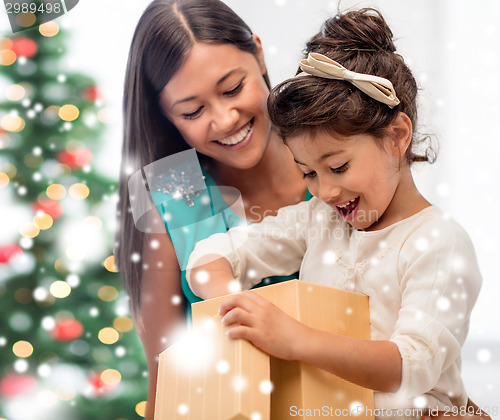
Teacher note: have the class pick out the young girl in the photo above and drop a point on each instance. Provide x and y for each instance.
(195, 79)
(348, 119)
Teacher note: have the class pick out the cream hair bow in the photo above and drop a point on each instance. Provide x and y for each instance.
(377, 87)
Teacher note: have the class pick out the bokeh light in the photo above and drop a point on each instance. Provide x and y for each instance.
(107, 293)
(108, 335)
(111, 377)
(123, 324)
(60, 289)
(26, 19)
(69, 112)
(12, 122)
(49, 29)
(79, 191)
(7, 57)
(140, 408)
(15, 92)
(29, 230)
(56, 192)
(109, 263)
(43, 221)
(22, 349)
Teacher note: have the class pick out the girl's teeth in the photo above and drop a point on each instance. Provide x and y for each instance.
(238, 137)
(345, 205)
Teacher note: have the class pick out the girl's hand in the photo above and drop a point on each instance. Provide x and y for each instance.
(263, 324)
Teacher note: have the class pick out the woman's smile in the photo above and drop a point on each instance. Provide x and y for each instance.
(240, 138)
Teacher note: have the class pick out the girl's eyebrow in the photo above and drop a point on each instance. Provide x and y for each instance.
(323, 157)
(221, 80)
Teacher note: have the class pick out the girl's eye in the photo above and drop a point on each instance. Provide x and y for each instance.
(234, 91)
(192, 115)
(340, 169)
(310, 175)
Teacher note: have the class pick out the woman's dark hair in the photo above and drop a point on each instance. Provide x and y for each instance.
(361, 41)
(164, 36)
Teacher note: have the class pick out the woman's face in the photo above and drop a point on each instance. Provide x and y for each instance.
(217, 100)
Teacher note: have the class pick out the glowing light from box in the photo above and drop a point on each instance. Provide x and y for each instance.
(49, 29)
(22, 349)
(107, 293)
(194, 350)
(140, 408)
(109, 264)
(68, 112)
(255, 416)
(111, 377)
(60, 289)
(29, 230)
(56, 192)
(79, 191)
(12, 122)
(15, 92)
(108, 335)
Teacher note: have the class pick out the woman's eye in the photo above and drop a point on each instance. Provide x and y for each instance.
(340, 169)
(234, 91)
(192, 115)
(310, 174)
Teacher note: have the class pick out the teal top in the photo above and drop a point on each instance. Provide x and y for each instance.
(192, 217)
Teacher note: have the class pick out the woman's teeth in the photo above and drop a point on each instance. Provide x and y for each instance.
(238, 137)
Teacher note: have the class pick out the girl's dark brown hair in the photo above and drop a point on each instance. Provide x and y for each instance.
(361, 41)
(163, 38)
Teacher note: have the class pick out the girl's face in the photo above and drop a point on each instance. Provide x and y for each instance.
(354, 175)
(217, 100)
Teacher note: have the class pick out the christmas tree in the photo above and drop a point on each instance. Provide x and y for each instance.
(68, 349)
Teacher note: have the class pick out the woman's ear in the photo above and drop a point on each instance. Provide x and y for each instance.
(260, 54)
(401, 132)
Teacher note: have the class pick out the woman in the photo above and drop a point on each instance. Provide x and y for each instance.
(195, 79)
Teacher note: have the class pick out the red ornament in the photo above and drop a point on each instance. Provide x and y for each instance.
(25, 47)
(13, 384)
(8, 252)
(91, 94)
(67, 330)
(50, 207)
(75, 158)
(99, 387)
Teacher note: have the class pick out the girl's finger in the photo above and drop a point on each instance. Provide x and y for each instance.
(237, 316)
(240, 300)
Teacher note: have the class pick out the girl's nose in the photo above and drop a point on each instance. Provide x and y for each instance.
(328, 191)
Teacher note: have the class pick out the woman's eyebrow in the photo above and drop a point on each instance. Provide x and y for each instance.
(221, 80)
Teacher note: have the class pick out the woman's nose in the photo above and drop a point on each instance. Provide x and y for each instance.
(224, 119)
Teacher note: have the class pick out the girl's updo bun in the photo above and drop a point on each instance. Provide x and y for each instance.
(364, 30)
(361, 41)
